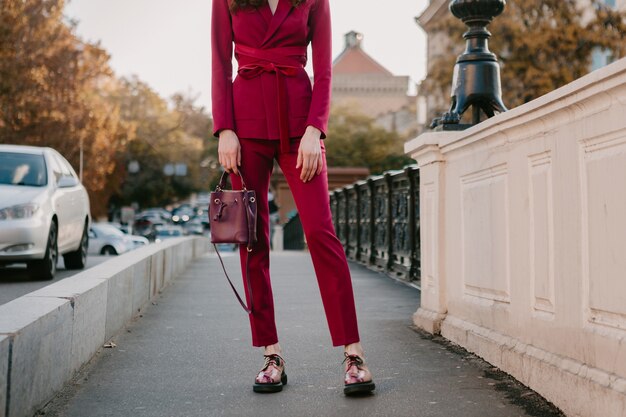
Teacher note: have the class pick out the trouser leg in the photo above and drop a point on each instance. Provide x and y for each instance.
(257, 161)
(329, 259)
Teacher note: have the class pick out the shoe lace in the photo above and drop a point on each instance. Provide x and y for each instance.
(352, 360)
(273, 359)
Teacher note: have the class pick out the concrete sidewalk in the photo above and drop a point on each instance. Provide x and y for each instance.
(190, 356)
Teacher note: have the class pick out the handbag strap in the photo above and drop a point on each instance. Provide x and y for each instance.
(251, 224)
(220, 185)
(246, 278)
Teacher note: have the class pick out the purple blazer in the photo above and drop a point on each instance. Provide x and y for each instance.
(271, 97)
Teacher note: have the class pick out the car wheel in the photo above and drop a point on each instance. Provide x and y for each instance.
(78, 258)
(108, 250)
(46, 268)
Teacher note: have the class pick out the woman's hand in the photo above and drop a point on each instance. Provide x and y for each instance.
(310, 154)
(229, 151)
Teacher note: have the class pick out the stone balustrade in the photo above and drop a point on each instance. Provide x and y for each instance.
(523, 241)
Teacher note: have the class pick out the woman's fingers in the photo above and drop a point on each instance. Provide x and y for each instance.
(299, 160)
(234, 161)
(305, 168)
(229, 151)
(309, 157)
(225, 161)
(320, 164)
(314, 165)
(311, 165)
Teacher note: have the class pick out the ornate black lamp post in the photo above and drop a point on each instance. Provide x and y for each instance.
(476, 80)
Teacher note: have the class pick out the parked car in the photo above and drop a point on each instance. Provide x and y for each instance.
(137, 240)
(158, 211)
(106, 239)
(194, 227)
(168, 232)
(44, 211)
(182, 214)
(146, 225)
(127, 229)
(203, 216)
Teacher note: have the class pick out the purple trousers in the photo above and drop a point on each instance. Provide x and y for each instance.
(329, 259)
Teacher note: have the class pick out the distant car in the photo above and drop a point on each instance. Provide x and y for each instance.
(168, 232)
(44, 211)
(182, 214)
(146, 225)
(194, 227)
(204, 218)
(138, 241)
(106, 239)
(158, 211)
(124, 228)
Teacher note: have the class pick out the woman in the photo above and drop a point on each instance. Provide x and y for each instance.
(270, 112)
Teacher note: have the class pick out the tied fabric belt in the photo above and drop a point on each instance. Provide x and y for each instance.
(284, 62)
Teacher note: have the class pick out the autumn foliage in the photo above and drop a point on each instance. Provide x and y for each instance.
(59, 91)
(541, 45)
(354, 140)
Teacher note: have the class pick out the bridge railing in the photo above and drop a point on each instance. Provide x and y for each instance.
(377, 221)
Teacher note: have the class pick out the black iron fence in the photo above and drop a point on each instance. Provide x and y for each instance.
(293, 235)
(377, 221)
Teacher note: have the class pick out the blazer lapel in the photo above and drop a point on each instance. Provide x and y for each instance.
(266, 13)
(282, 10)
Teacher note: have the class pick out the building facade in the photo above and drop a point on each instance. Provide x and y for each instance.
(360, 82)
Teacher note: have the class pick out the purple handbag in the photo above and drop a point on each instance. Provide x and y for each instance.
(232, 219)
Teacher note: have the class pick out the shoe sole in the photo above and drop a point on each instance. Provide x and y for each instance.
(359, 388)
(269, 388)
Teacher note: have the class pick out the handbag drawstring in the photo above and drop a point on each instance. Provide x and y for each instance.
(218, 215)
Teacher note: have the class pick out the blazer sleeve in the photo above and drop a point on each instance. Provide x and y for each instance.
(321, 45)
(222, 67)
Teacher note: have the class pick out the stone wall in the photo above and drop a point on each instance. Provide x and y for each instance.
(523, 240)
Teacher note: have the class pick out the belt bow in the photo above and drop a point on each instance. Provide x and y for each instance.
(282, 61)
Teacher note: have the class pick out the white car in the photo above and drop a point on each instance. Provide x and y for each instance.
(44, 211)
(168, 232)
(138, 241)
(106, 239)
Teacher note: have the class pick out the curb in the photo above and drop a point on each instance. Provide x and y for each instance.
(48, 334)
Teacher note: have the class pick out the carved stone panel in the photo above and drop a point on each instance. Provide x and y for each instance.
(541, 232)
(485, 234)
(604, 229)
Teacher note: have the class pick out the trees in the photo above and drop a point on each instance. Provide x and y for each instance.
(541, 45)
(161, 136)
(354, 140)
(58, 91)
(53, 88)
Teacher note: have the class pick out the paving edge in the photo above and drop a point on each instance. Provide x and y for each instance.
(532, 402)
(47, 335)
(576, 388)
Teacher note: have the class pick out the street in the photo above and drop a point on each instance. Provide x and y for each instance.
(15, 282)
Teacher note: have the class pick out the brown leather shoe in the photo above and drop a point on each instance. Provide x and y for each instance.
(358, 379)
(272, 377)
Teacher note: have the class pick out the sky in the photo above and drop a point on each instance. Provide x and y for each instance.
(167, 43)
